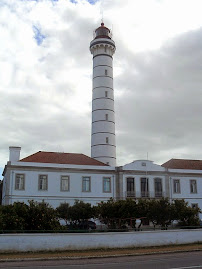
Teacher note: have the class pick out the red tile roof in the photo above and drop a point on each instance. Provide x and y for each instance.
(183, 164)
(62, 158)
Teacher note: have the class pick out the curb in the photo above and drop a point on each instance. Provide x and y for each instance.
(97, 257)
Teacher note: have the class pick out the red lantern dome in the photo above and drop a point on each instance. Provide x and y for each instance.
(102, 32)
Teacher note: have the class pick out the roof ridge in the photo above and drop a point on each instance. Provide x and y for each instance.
(184, 159)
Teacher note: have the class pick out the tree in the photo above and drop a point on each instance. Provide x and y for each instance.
(117, 213)
(13, 217)
(106, 212)
(160, 212)
(63, 212)
(186, 215)
(41, 216)
(81, 211)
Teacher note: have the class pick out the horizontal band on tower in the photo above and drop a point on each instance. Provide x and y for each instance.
(102, 65)
(103, 109)
(93, 43)
(103, 145)
(103, 77)
(103, 98)
(104, 157)
(104, 120)
(103, 55)
(103, 87)
(103, 133)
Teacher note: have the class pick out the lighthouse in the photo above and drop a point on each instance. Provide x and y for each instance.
(103, 139)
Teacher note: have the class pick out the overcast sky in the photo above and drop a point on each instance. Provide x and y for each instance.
(46, 76)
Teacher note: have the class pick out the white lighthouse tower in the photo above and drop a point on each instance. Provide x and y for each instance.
(103, 140)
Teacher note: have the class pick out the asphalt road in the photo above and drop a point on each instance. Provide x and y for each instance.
(186, 260)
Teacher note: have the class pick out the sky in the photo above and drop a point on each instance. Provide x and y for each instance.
(46, 76)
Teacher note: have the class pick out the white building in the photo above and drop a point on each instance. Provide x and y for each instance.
(56, 177)
(65, 177)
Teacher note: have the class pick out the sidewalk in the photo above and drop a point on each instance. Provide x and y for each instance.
(87, 254)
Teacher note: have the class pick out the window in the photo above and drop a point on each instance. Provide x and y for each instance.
(43, 182)
(144, 187)
(86, 184)
(158, 187)
(193, 187)
(130, 187)
(144, 164)
(176, 185)
(106, 117)
(106, 93)
(64, 183)
(20, 182)
(107, 140)
(105, 49)
(106, 184)
(105, 72)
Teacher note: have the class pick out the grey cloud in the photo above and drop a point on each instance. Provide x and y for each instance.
(161, 109)
(158, 100)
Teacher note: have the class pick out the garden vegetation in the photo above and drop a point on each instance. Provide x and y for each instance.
(36, 216)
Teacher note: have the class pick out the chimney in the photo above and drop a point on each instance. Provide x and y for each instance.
(14, 154)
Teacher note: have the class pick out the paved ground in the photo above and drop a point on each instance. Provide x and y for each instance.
(188, 260)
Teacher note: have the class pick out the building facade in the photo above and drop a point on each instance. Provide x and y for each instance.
(56, 178)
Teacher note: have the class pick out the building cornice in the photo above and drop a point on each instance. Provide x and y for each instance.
(60, 169)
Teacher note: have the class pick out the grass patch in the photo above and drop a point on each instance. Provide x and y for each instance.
(99, 252)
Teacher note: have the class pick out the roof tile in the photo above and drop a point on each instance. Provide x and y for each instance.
(62, 158)
(183, 164)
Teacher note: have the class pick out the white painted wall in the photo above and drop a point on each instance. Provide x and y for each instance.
(45, 242)
(185, 192)
(143, 165)
(102, 50)
(54, 196)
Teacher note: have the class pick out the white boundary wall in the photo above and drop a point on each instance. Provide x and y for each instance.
(67, 241)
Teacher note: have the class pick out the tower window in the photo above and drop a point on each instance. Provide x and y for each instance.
(105, 72)
(105, 49)
(106, 117)
(106, 93)
(107, 140)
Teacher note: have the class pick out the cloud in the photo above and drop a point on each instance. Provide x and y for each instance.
(161, 90)
(46, 81)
